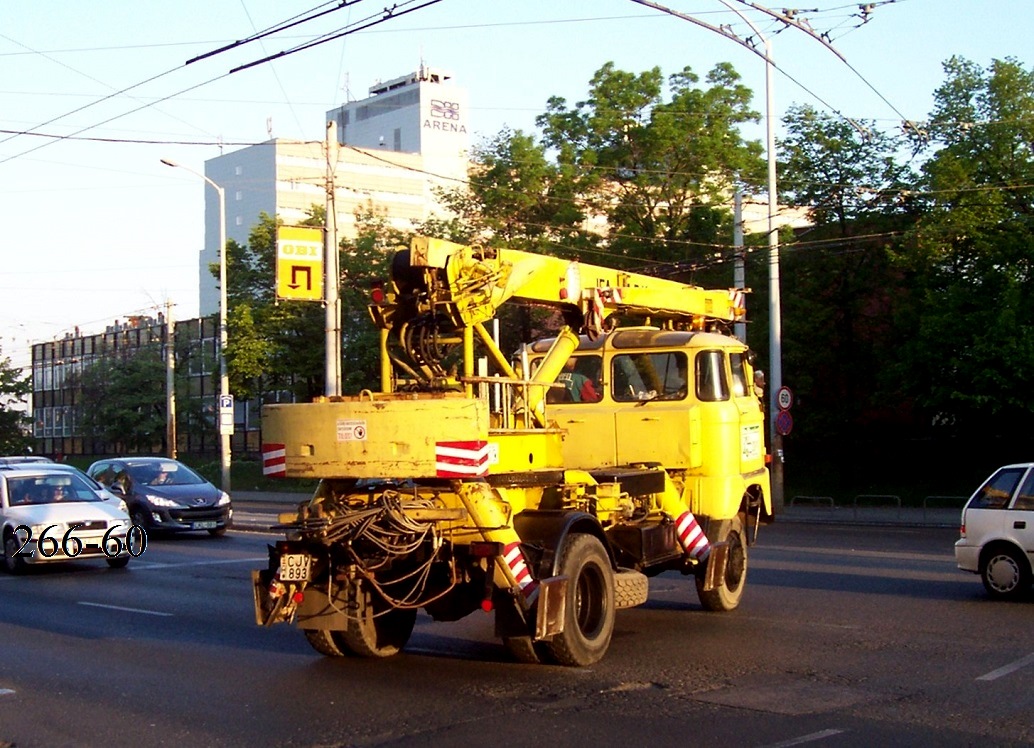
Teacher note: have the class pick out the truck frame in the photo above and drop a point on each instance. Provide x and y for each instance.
(473, 481)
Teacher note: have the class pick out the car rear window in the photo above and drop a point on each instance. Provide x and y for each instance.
(995, 494)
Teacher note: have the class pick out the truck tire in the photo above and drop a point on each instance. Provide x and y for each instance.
(589, 610)
(631, 588)
(726, 596)
(375, 630)
(525, 649)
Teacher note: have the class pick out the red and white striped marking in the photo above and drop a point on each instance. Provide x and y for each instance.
(514, 557)
(274, 460)
(692, 537)
(737, 299)
(467, 459)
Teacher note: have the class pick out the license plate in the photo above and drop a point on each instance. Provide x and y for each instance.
(295, 567)
(206, 525)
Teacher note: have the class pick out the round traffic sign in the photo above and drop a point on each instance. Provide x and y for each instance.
(784, 423)
(785, 398)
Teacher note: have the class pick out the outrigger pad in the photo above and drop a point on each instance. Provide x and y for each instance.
(552, 604)
(717, 561)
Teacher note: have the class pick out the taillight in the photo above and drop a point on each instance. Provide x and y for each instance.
(485, 549)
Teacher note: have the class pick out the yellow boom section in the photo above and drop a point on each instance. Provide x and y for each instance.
(468, 285)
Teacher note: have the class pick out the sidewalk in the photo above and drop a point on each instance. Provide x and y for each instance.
(809, 513)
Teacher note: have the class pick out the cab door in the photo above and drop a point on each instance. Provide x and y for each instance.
(654, 418)
(588, 421)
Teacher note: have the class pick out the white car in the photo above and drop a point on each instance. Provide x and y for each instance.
(997, 531)
(50, 515)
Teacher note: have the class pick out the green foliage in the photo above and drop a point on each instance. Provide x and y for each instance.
(970, 361)
(838, 314)
(126, 401)
(659, 171)
(15, 424)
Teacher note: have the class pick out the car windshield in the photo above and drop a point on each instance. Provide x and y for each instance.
(50, 488)
(165, 473)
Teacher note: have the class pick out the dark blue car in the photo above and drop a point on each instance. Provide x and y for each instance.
(165, 495)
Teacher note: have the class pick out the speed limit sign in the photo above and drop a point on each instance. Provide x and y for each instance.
(784, 398)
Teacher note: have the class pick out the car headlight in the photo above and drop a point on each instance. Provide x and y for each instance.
(37, 530)
(162, 501)
(224, 499)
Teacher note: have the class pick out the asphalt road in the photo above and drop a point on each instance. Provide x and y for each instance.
(847, 636)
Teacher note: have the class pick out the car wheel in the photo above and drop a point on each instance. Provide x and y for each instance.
(1004, 572)
(12, 563)
(119, 562)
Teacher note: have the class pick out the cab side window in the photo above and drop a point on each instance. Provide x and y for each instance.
(739, 375)
(995, 494)
(712, 382)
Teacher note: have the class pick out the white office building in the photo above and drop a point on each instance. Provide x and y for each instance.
(408, 137)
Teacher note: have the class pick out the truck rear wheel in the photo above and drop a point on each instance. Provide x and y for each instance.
(373, 630)
(726, 596)
(589, 610)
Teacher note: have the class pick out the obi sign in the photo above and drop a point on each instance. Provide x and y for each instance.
(299, 263)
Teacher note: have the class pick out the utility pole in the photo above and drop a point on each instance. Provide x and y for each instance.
(331, 286)
(170, 380)
(739, 271)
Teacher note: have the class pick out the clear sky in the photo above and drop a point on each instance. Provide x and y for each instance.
(96, 229)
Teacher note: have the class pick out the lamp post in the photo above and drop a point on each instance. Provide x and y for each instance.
(224, 379)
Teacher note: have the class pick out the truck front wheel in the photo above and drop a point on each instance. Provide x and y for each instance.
(589, 609)
(374, 630)
(727, 594)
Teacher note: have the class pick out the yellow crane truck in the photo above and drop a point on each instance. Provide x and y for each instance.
(545, 486)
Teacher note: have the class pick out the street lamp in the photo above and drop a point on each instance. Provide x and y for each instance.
(224, 379)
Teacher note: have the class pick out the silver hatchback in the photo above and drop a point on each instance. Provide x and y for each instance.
(997, 532)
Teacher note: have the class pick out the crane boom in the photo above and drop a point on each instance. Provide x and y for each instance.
(467, 285)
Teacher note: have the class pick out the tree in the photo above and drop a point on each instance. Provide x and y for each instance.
(970, 363)
(659, 171)
(839, 320)
(15, 424)
(127, 401)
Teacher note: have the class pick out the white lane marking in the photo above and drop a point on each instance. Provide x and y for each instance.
(144, 565)
(1006, 669)
(6, 691)
(813, 737)
(854, 553)
(124, 609)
